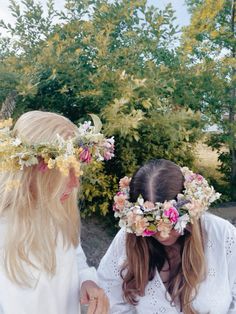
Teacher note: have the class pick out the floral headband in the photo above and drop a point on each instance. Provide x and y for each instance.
(146, 218)
(88, 144)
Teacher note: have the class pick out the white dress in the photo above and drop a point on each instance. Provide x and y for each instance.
(217, 294)
(56, 295)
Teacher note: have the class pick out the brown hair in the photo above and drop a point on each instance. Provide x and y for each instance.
(158, 181)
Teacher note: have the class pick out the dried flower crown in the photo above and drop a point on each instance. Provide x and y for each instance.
(146, 218)
(88, 144)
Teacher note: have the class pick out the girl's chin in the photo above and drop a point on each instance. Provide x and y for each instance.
(167, 241)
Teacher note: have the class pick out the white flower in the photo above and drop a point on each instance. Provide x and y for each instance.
(215, 197)
(136, 209)
(111, 140)
(98, 155)
(16, 142)
(182, 223)
(117, 214)
(61, 142)
(140, 201)
(32, 160)
(122, 223)
(158, 214)
(69, 148)
(84, 128)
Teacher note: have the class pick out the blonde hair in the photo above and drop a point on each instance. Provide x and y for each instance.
(36, 217)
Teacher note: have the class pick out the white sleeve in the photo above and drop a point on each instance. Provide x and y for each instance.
(85, 272)
(231, 252)
(109, 275)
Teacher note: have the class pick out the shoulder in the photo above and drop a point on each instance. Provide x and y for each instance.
(217, 224)
(118, 244)
(114, 257)
(119, 240)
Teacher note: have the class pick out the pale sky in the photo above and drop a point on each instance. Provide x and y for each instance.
(183, 17)
(181, 11)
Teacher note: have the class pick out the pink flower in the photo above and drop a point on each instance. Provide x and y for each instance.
(199, 177)
(172, 213)
(108, 155)
(124, 182)
(148, 233)
(42, 166)
(85, 155)
(119, 201)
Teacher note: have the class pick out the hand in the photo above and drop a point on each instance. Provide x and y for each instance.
(95, 297)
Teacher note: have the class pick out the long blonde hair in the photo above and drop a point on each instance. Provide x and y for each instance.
(36, 217)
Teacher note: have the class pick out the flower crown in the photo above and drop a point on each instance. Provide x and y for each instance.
(88, 144)
(146, 218)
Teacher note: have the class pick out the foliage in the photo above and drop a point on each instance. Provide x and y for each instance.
(115, 59)
(169, 136)
(31, 26)
(208, 47)
(97, 190)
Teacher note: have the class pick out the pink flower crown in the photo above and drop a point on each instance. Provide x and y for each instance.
(147, 218)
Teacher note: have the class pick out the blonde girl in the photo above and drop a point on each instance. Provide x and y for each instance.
(43, 268)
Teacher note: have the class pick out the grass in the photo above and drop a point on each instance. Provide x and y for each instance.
(207, 161)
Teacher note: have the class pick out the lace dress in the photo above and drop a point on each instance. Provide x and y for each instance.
(216, 295)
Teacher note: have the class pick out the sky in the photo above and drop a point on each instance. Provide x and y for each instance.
(183, 17)
(181, 11)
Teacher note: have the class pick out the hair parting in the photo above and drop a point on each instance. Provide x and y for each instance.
(157, 181)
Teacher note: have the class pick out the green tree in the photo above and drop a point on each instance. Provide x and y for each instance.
(209, 45)
(114, 59)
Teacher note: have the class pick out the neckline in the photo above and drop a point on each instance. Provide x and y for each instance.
(162, 285)
(167, 295)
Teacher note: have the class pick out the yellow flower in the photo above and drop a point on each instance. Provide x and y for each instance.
(51, 163)
(6, 123)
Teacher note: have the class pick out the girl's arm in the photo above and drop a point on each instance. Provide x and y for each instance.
(90, 292)
(85, 272)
